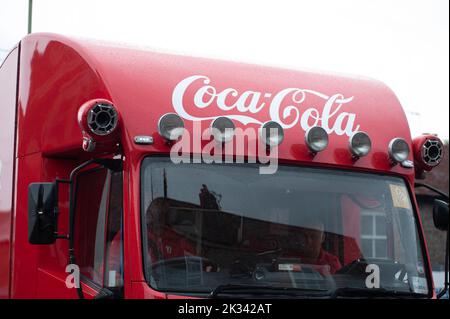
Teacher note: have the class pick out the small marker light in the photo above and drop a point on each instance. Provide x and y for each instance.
(398, 150)
(271, 133)
(316, 139)
(170, 126)
(223, 129)
(143, 140)
(359, 144)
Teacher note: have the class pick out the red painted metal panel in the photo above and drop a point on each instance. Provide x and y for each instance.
(54, 81)
(145, 85)
(8, 80)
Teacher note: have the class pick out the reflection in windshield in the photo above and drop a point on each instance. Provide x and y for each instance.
(213, 225)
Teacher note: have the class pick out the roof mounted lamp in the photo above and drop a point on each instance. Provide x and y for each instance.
(222, 128)
(399, 150)
(359, 144)
(316, 139)
(271, 133)
(170, 127)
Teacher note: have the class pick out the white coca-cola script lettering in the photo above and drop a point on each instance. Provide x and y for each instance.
(285, 107)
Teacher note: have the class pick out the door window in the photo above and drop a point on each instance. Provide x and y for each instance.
(99, 227)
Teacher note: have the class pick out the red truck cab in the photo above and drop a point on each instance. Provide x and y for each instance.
(153, 175)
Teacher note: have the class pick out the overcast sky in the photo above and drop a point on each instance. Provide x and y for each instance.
(404, 43)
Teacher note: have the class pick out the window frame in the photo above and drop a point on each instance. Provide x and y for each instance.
(83, 278)
(374, 236)
(155, 158)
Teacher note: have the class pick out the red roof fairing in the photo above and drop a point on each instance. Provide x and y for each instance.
(144, 85)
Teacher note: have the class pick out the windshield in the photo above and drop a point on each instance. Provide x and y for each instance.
(208, 226)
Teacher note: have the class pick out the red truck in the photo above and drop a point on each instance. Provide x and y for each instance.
(126, 173)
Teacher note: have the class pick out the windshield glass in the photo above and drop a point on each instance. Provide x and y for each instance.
(207, 226)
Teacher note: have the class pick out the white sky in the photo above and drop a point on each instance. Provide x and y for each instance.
(404, 43)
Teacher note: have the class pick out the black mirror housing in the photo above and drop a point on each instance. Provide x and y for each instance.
(440, 214)
(42, 213)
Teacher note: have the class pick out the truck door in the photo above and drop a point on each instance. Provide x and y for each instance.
(99, 230)
(8, 84)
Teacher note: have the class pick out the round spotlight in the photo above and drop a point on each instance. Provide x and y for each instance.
(359, 144)
(271, 133)
(316, 139)
(170, 126)
(223, 129)
(398, 150)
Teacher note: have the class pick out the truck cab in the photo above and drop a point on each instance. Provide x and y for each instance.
(127, 173)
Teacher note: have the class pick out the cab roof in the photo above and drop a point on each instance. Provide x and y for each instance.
(58, 74)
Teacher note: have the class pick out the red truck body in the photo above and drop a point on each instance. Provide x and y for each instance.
(45, 80)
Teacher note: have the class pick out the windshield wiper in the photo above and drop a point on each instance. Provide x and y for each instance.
(353, 292)
(266, 290)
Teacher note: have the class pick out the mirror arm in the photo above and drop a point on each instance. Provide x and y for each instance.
(72, 198)
(446, 270)
(431, 188)
(56, 206)
(105, 293)
(445, 289)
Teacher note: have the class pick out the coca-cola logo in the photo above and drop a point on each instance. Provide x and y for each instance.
(289, 107)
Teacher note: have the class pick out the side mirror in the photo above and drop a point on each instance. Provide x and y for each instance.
(440, 214)
(42, 213)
